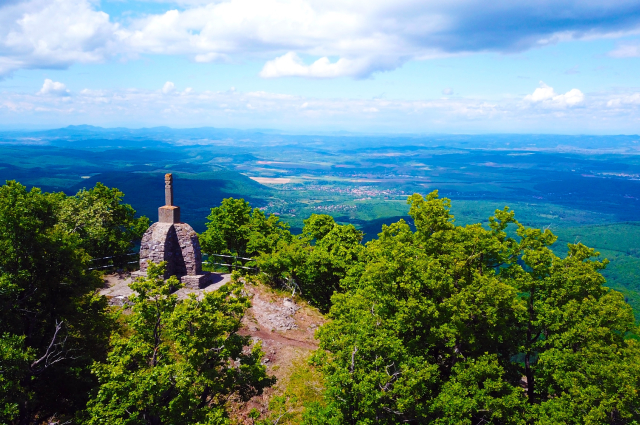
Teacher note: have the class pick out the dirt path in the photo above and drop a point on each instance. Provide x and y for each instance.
(275, 337)
(286, 329)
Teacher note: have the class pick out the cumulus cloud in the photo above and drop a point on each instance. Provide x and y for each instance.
(53, 88)
(546, 95)
(53, 34)
(168, 87)
(366, 37)
(290, 65)
(360, 36)
(448, 91)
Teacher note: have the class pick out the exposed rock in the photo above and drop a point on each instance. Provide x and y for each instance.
(275, 316)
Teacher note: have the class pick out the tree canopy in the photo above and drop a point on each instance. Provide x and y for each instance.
(315, 261)
(106, 226)
(53, 324)
(443, 324)
(234, 228)
(452, 324)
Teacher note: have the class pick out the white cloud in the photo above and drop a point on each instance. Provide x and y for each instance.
(547, 96)
(53, 88)
(361, 37)
(53, 34)
(233, 108)
(542, 93)
(168, 87)
(628, 99)
(570, 98)
(149, 104)
(626, 51)
(290, 65)
(448, 91)
(364, 37)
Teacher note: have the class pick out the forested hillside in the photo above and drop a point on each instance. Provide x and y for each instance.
(429, 323)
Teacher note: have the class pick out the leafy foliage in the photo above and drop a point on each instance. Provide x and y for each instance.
(313, 262)
(13, 359)
(106, 226)
(234, 229)
(315, 269)
(177, 362)
(335, 251)
(453, 324)
(445, 324)
(53, 324)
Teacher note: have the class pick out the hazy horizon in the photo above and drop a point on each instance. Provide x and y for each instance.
(35, 128)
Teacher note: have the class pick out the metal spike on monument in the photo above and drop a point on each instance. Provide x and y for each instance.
(174, 242)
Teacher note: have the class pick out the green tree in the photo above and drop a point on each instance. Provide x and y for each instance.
(266, 232)
(13, 361)
(177, 362)
(453, 324)
(228, 228)
(337, 248)
(316, 261)
(281, 266)
(317, 226)
(105, 226)
(53, 325)
(235, 229)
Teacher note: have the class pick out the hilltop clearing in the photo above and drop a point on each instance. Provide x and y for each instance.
(284, 325)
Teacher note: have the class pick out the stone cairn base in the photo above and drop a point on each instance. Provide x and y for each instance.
(178, 245)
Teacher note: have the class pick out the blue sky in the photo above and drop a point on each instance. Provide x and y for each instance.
(381, 66)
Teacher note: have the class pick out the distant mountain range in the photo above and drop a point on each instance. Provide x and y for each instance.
(87, 136)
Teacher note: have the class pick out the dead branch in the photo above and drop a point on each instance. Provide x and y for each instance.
(353, 359)
(55, 352)
(393, 377)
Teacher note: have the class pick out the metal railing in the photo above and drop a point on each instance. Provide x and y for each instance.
(113, 263)
(235, 264)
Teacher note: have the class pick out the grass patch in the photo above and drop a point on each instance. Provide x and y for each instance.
(300, 387)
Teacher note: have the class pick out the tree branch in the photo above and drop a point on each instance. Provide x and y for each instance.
(393, 377)
(353, 359)
(55, 352)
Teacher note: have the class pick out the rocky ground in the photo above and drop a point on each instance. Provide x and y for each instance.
(284, 325)
(286, 328)
(116, 287)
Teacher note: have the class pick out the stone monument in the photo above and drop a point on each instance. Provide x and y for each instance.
(174, 242)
